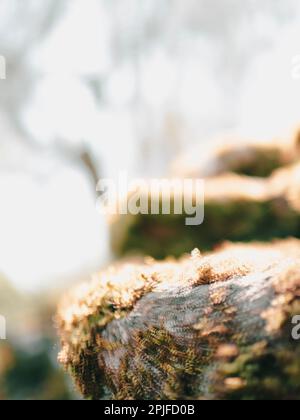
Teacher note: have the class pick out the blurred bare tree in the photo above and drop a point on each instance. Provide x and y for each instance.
(23, 26)
(136, 31)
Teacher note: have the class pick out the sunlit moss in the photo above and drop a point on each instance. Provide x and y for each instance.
(197, 328)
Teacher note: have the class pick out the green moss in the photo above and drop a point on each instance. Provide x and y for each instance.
(261, 162)
(271, 375)
(177, 367)
(241, 221)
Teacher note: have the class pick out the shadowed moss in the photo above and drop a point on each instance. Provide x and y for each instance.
(202, 327)
(236, 209)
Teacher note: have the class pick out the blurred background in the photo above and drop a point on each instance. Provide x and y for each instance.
(95, 87)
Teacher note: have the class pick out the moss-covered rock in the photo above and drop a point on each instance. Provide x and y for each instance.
(237, 208)
(208, 326)
(239, 156)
